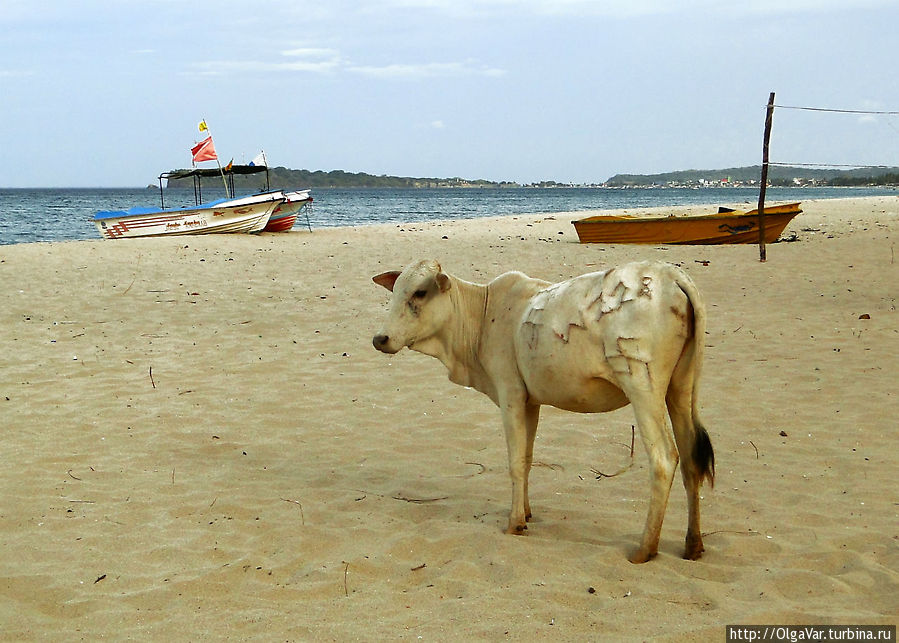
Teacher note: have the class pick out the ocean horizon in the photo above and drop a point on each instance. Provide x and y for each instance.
(33, 215)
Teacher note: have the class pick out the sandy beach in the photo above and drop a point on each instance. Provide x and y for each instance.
(200, 443)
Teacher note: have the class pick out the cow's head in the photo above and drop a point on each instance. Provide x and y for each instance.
(419, 306)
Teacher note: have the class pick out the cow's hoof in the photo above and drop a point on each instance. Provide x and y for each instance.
(517, 530)
(642, 556)
(693, 551)
(693, 545)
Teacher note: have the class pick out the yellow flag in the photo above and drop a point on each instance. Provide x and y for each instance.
(203, 127)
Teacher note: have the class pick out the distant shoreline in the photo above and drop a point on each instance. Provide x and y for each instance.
(748, 176)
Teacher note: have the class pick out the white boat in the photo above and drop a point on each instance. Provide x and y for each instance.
(271, 210)
(243, 214)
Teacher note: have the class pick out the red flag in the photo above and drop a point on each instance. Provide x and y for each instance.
(204, 151)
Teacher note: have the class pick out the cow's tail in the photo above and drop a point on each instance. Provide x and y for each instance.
(703, 455)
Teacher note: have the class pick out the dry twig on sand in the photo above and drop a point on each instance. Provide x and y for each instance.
(298, 504)
(599, 474)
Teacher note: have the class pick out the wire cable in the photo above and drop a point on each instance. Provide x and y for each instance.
(838, 111)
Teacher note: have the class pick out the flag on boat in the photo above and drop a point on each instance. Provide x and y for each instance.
(229, 166)
(259, 160)
(204, 151)
(203, 126)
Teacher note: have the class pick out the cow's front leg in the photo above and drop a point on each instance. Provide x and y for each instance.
(515, 426)
(531, 417)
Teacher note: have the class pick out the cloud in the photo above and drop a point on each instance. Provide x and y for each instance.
(313, 60)
(620, 8)
(311, 52)
(324, 60)
(15, 73)
(221, 67)
(425, 70)
(438, 124)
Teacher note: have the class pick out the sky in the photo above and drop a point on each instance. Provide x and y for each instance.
(109, 93)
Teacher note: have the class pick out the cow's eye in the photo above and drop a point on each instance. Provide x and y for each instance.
(420, 294)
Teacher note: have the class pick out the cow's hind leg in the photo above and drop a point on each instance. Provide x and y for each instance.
(649, 409)
(680, 409)
(697, 459)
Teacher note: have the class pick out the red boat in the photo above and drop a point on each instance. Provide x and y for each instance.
(285, 215)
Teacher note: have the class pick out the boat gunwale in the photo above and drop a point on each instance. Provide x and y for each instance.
(614, 229)
(234, 202)
(791, 209)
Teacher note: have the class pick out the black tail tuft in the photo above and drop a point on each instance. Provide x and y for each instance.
(704, 455)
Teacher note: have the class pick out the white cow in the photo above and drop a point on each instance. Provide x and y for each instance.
(632, 334)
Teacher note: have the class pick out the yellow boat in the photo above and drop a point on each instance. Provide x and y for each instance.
(727, 226)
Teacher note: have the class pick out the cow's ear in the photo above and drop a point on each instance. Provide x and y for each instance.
(386, 279)
(443, 282)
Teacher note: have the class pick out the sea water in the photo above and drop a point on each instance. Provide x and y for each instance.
(35, 215)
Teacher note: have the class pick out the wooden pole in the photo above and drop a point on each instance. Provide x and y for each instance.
(222, 172)
(764, 180)
(217, 162)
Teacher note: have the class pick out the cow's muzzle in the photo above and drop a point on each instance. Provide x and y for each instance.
(382, 343)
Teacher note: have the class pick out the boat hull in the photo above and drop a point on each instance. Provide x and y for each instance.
(246, 214)
(285, 215)
(722, 228)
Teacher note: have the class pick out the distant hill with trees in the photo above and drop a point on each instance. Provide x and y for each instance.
(777, 175)
(282, 177)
